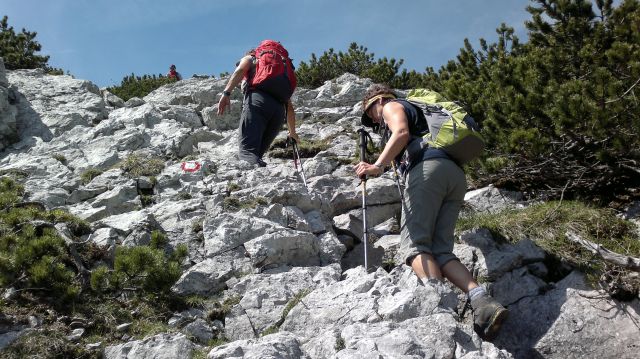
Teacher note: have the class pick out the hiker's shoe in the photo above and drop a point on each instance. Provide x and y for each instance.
(488, 316)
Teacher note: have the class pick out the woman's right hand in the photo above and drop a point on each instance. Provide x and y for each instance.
(223, 104)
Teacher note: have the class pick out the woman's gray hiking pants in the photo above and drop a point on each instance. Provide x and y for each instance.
(433, 197)
(261, 121)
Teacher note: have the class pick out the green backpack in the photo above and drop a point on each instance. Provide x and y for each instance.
(450, 127)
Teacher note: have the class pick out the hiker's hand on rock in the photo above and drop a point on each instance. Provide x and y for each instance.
(223, 104)
(364, 168)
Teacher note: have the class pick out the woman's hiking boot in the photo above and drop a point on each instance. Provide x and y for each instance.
(488, 316)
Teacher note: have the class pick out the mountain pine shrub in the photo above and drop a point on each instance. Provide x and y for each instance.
(33, 257)
(559, 112)
(142, 269)
(139, 86)
(19, 50)
(359, 61)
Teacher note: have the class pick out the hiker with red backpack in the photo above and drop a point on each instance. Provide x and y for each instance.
(173, 74)
(433, 138)
(269, 83)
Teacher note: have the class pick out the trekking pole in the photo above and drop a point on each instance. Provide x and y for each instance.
(363, 157)
(296, 153)
(397, 177)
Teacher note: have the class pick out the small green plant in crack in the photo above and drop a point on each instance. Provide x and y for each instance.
(232, 187)
(147, 200)
(195, 301)
(137, 165)
(89, 174)
(216, 342)
(59, 157)
(388, 264)
(340, 344)
(201, 353)
(184, 195)
(197, 226)
(233, 203)
(210, 169)
(341, 160)
(221, 309)
(271, 330)
(14, 174)
(307, 148)
(292, 303)
(48, 342)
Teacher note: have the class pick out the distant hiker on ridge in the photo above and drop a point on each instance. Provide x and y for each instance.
(270, 82)
(173, 73)
(435, 189)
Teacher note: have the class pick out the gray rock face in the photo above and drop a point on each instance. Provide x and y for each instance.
(200, 330)
(362, 298)
(161, 346)
(198, 92)
(111, 99)
(290, 257)
(134, 227)
(380, 191)
(134, 102)
(480, 252)
(210, 275)
(414, 338)
(50, 105)
(229, 121)
(491, 200)
(280, 345)
(265, 297)
(568, 322)
(284, 248)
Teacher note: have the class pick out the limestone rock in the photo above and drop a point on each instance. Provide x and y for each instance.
(568, 322)
(279, 345)
(209, 276)
(161, 346)
(49, 105)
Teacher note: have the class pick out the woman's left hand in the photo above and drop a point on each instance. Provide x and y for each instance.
(364, 168)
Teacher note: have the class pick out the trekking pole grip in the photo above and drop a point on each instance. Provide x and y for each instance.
(363, 148)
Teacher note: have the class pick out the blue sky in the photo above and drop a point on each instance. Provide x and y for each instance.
(103, 41)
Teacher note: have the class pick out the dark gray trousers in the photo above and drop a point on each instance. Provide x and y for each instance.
(261, 121)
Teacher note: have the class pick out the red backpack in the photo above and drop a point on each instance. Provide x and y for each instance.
(274, 73)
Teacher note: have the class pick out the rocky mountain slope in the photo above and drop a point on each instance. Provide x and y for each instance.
(289, 257)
